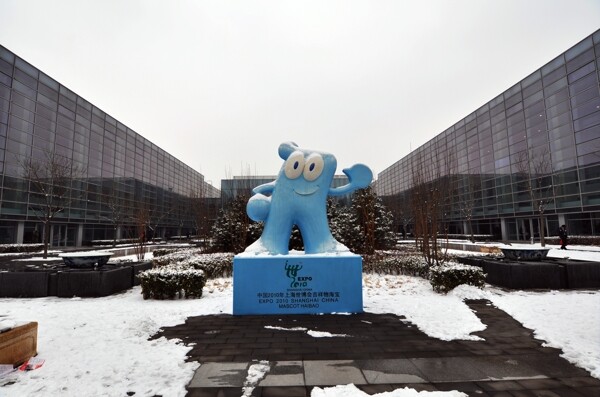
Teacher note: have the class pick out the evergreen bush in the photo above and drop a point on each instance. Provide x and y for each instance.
(444, 278)
(169, 282)
(385, 263)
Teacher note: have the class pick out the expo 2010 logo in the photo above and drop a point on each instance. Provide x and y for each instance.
(291, 271)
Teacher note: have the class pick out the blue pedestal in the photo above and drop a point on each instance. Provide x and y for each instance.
(297, 284)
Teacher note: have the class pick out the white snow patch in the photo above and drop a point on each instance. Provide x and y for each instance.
(314, 334)
(321, 334)
(286, 329)
(445, 317)
(256, 373)
(353, 391)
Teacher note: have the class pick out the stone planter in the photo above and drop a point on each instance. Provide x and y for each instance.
(86, 259)
(525, 254)
(18, 344)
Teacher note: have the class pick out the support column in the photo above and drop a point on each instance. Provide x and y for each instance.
(562, 219)
(79, 238)
(20, 232)
(504, 229)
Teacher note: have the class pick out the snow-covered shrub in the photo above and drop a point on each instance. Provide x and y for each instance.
(163, 251)
(444, 278)
(175, 256)
(575, 240)
(16, 248)
(386, 263)
(111, 241)
(169, 282)
(213, 265)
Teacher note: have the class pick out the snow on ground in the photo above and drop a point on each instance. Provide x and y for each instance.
(353, 391)
(100, 346)
(568, 320)
(444, 317)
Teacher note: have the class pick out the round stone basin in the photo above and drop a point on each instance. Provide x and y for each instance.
(85, 259)
(525, 254)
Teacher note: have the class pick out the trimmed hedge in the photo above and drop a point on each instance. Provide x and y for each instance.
(169, 282)
(183, 273)
(575, 240)
(444, 278)
(20, 248)
(388, 263)
(163, 251)
(213, 265)
(118, 241)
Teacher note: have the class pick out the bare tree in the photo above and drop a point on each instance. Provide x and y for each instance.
(181, 210)
(467, 200)
(141, 219)
(430, 199)
(51, 180)
(534, 169)
(202, 212)
(117, 214)
(401, 208)
(156, 217)
(364, 201)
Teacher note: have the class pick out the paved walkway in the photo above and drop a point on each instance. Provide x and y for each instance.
(376, 352)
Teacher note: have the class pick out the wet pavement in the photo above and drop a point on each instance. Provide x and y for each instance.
(376, 352)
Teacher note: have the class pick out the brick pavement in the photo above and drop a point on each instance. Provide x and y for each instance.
(380, 352)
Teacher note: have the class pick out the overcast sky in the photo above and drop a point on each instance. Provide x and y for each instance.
(220, 84)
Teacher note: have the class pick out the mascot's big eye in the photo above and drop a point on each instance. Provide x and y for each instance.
(294, 165)
(313, 167)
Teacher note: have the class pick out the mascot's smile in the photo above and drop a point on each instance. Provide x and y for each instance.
(307, 191)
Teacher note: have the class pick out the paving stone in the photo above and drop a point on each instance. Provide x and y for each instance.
(215, 392)
(390, 371)
(506, 368)
(331, 373)
(220, 375)
(581, 381)
(540, 384)
(593, 391)
(285, 392)
(377, 389)
(284, 373)
(466, 387)
(552, 365)
(447, 369)
(500, 385)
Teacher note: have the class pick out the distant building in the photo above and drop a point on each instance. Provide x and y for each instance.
(39, 115)
(549, 121)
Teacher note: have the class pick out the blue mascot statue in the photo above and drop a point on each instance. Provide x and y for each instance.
(299, 197)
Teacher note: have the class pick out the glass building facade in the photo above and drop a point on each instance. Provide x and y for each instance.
(543, 132)
(38, 115)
